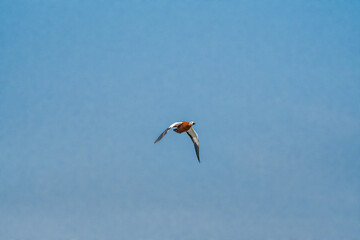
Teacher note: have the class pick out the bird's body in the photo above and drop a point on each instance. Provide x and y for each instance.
(181, 127)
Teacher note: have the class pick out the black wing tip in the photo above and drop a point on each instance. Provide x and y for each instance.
(162, 135)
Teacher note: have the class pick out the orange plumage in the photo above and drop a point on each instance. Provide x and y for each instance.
(183, 127)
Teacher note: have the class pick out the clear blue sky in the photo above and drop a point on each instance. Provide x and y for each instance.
(87, 86)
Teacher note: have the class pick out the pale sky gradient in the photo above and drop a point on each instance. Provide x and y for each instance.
(87, 86)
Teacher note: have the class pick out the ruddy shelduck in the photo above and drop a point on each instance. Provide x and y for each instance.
(181, 127)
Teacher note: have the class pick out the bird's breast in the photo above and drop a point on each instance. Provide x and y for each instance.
(184, 127)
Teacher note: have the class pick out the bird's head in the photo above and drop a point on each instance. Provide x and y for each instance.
(191, 123)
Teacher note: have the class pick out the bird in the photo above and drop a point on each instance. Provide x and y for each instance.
(181, 127)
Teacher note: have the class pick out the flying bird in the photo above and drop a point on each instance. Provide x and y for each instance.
(181, 127)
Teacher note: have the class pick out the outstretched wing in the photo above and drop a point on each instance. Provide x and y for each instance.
(175, 124)
(195, 139)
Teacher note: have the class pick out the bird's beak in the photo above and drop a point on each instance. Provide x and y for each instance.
(193, 123)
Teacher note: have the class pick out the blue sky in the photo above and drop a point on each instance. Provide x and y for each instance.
(86, 87)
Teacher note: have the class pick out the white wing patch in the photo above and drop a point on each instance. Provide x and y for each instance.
(175, 124)
(195, 139)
